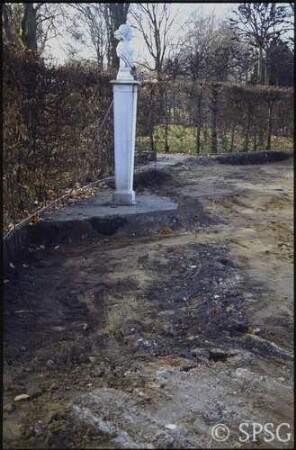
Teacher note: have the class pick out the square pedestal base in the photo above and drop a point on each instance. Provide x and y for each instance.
(124, 198)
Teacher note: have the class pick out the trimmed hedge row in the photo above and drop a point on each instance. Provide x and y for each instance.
(52, 134)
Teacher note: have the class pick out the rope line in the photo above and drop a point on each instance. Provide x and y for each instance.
(44, 208)
(104, 120)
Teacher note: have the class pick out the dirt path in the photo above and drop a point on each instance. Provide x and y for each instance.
(148, 341)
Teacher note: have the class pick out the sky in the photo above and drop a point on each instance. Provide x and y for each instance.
(57, 47)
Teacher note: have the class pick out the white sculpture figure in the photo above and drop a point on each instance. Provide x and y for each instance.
(125, 92)
(124, 51)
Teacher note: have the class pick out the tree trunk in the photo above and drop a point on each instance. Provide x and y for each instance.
(247, 136)
(260, 65)
(152, 146)
(266, 73)
(246, 76)
(29, 27)
(214, 116)
(100, 57)
(261, 137)
(268, 144)
(198, 130)
(166, 121)
(232, 138)
(199, 123)
(205, 134)
(151, 122)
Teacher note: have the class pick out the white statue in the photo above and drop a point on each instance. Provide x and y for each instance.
(124, 51)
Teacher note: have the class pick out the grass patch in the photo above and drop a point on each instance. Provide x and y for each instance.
(182, 139)
(282, 142)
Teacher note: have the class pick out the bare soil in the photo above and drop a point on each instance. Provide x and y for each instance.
(148, 338)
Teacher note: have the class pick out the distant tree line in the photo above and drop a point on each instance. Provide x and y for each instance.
(254, 45)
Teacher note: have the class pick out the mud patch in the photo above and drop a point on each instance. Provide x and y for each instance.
(254, 157)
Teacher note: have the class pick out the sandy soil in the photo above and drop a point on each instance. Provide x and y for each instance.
(148, 340)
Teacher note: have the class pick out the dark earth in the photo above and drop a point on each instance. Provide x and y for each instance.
(153, 330)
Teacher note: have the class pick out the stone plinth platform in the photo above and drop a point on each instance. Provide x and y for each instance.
(98, 216)
(93, 217)
(101, 206)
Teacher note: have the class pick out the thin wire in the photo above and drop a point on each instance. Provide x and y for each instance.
(39, 211)
(44, 208)
(104, 120)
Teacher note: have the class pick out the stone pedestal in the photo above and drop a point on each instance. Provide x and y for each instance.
(125, 94)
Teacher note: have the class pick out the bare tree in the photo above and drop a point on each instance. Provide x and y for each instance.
(260, 23)
(89, 24)
(292, 21)
(196, 46)
(50, 17)
(95, 23)
(244, 62)
(154, 21)
(31, 24)
(208, 49)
